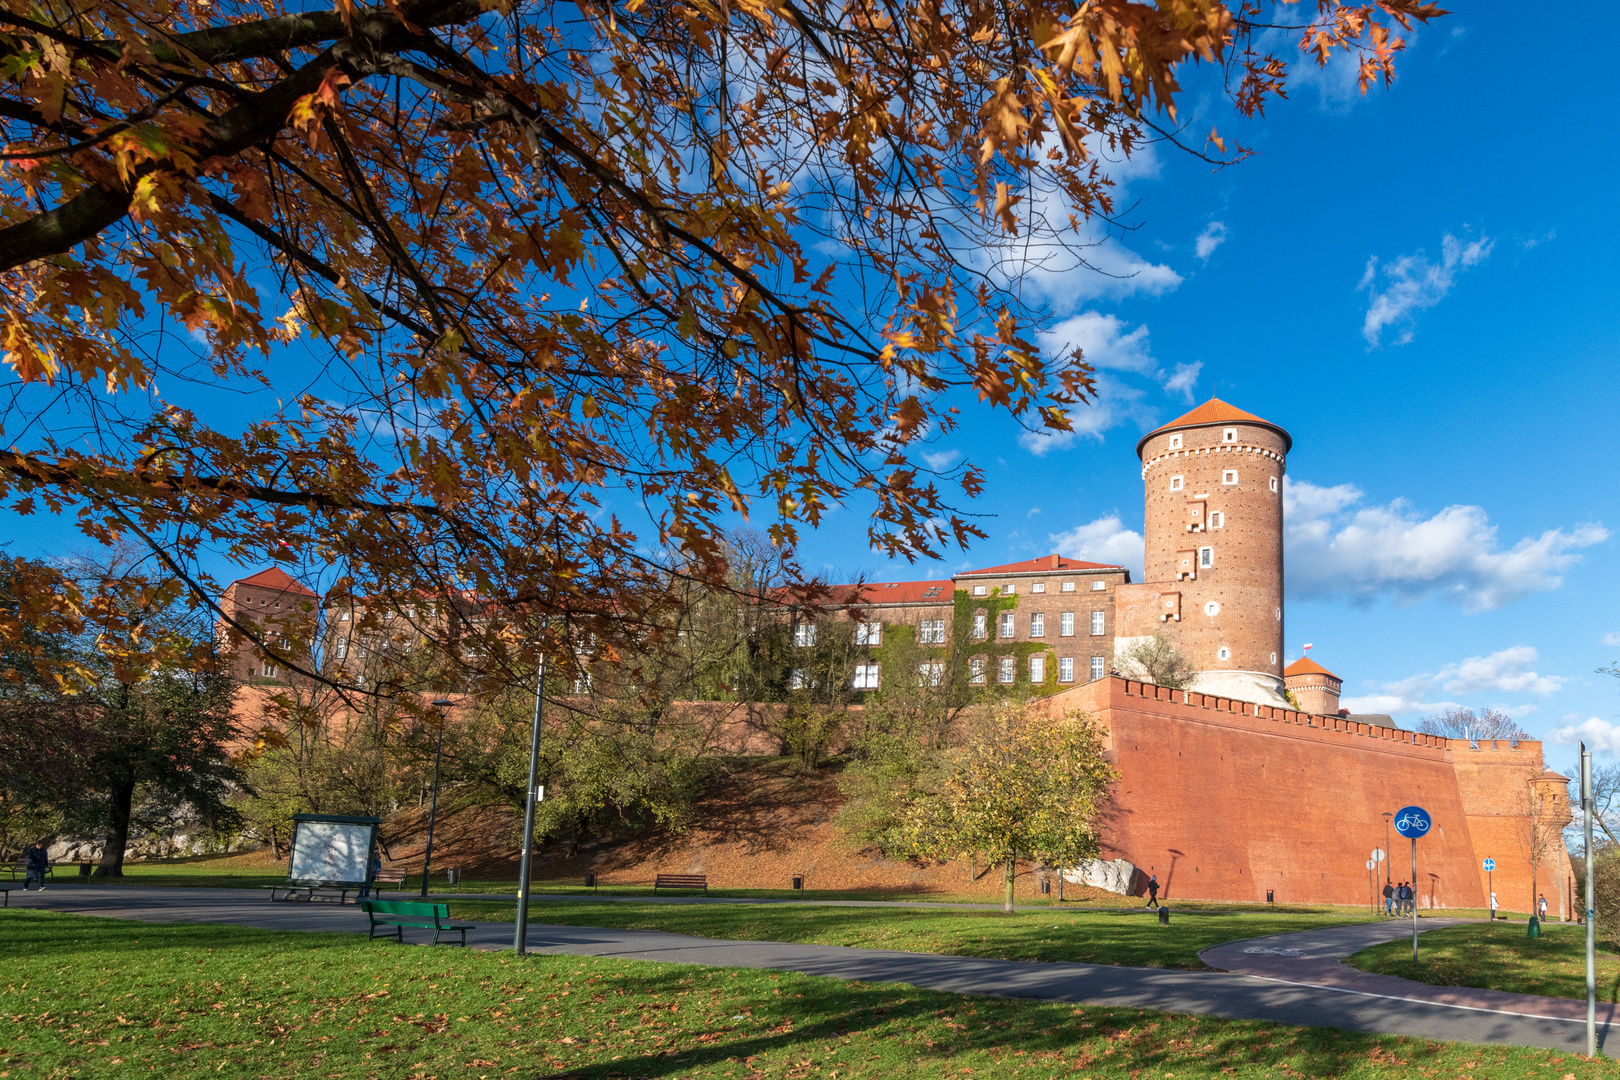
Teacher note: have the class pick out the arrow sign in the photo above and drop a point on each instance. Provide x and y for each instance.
(1413, 822)
(1490, 864)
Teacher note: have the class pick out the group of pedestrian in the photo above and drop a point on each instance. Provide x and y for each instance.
(1399, 899)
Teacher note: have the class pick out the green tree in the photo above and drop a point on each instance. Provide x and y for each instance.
(1158, 661)
(1020, 786)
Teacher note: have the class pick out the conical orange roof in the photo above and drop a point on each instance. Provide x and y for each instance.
(1211, 414)
(1306, 666)
(277, 578)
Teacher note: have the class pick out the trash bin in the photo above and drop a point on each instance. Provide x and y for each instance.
(590, 881)
(453, 875)
(798, 882)
(1535, 927)
(84, 867)
(1164, 915)
(1271, 897)
(1046, 886)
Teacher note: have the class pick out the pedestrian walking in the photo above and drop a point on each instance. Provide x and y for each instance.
(1541, 906)
(39, 864)
(1493, 907)
(1153, 891)
(1389, 898)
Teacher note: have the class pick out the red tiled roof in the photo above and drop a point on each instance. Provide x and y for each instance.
(896, 592)
(277, 579)
(1213, 412)
(1306, 666)
(1045, 562)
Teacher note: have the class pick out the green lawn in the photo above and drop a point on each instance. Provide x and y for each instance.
(1501, 956)
(88, 999)
(1099, 937)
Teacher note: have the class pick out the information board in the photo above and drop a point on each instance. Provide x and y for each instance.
(331, 849)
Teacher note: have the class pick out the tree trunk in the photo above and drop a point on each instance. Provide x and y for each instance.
(1007, 897)
(118, 815)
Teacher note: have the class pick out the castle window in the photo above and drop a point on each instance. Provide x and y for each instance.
(1097, 621)
(1175, 483)
(930, 674)
(1068, 586)
(1273, 658)
(976, 671)
(341, 648)
(869, 633)
(1217, 519)
(1037, 669)
(1009, 589)
(343, 617)
(1228, 476)
(1006, 624)
(978, 626)
(1066, 624)
(1273, 483)
(268, 670)
(1097, 668)
(1009, 669)
(1229, 434)
(1037, 625)
(1098, 586)
(1066, 669)
(931, 632)
(979, 590)
(1212, 609)
(797, 679)
(1224, 653)
(1175, 442)
(804, 634)
(1039, 586)
(1206, 557)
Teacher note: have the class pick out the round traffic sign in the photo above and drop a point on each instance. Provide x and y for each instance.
(1490, 864)
(1378, 855)
(1371, 864)
(1413, 822)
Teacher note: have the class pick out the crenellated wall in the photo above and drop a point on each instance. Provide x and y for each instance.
(1227, 799)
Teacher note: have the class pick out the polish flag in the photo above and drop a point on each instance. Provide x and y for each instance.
(1307, 648)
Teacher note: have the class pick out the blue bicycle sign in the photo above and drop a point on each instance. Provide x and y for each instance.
(1413, 822)
(1490, 864)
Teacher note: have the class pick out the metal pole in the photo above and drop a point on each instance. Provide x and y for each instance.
(520, 934)
(1490, 890)
(433, 807)
(1414, 899)
(1591, 938)
(1389, 867)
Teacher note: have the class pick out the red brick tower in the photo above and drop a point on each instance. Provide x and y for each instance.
(1313, 686)
(1214, 544)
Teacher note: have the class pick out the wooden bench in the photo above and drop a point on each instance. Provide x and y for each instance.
(20, 869)
(402, 913)
(5, 890)
(390, 877)
(681, 881)
(309, 888)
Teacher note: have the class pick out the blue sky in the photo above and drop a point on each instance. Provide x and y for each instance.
(1424, 295)
(1420, 286)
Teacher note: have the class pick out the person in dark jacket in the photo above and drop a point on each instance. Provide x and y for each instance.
(1153, 891)
(39, 864)
(1389, 899)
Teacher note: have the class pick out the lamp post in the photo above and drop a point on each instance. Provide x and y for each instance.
(433, 807)
(520, 933)
(1387, 868)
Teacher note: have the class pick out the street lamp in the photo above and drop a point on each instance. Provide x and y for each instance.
(520, 933)
(433, 807)
(1387, 868)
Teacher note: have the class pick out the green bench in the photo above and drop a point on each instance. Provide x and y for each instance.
(402, 913)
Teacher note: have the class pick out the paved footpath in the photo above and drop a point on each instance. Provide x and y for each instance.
(1290, 978)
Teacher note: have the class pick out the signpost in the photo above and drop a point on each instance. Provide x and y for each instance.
(1378, 857)
(1413, 822)
(1490, 889)
(1588, 808)
(1372, 884)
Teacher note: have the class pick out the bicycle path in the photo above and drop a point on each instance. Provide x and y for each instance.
(1260, 994)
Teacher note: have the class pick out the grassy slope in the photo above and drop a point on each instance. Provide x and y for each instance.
(1098, 937)
(96, 999)
(1501, 956)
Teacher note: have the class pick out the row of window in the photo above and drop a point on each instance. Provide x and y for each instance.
(1011, 588)
(1228, 477)
(1228, 435)
(932, 631)
(933, 673)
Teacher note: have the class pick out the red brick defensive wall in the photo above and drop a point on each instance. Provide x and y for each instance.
(1226, 799)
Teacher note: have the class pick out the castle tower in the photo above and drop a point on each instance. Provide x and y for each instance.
(1313, 686)
(1214, 545)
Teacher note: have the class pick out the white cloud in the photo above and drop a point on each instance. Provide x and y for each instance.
(1184, 380)
(1105, 540)
(1117, 402)
(1611, 639)
(1033, 511)
(1601, 735)
(1104, 341)
(1334, 548)
(1409, 284)
(1213, 236)
(1509, 671)
(942, 460)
